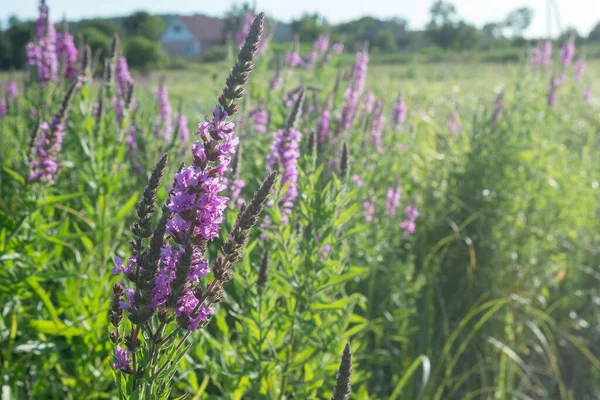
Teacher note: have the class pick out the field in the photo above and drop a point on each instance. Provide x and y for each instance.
(438, 222)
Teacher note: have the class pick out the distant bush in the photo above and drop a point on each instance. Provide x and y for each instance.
(178, 63)
(214, 54)
(96, 39)
(144, 53)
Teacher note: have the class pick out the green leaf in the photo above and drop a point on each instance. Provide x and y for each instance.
(127, 207)
(57, 199)
(54, 328)
(336, 305)
(35, 286)
(14, 175)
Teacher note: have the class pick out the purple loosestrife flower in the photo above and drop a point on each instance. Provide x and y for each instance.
(197, 212)
(122, 360)
(129, 303)
(3, 108)
(260, 116)
(123, 77)
(353, 93)
(324, 252)
(368, 210)
(454, 127)
(587, 94)
(553, 85)
(324, 122)
(44, 165)
(337, 48)
(369, 102)
(357, 180)
(394, 195)
(12, 89)
(536, 58)
(546, 54)
(42, 56)
(580, 65)
(377, 126)
(276, 81)
(409, 226)
(48, 143)
(235, 192)
(567, 52)
(66, 50)
(399, 112)
(163, 120)
(240, 36)
(321, 44)
(293, 59)
(181, 122)
(121, 268)
(285, 152)
(291, 96)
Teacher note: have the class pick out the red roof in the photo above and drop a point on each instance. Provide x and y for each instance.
(204, 28)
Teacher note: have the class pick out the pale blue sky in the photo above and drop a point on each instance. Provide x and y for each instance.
(582, 14)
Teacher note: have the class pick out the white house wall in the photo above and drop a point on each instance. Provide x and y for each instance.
(172, 34)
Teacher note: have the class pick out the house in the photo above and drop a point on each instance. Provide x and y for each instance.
(190, 35)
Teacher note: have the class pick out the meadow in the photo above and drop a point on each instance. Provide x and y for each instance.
(416, 231)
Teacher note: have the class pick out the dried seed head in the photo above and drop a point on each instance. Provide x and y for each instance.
(64, 107)
(100, 110)
(129, 95)
(96, 60)
(240, 72)
(182, 270)
(296, 111)
(236, 163)
(115, 48)
(245, 221)
(34, 133)
(342, 385)
(86, 62)
(115, 314)
(345, 160)
(142, 226)
(311, 143)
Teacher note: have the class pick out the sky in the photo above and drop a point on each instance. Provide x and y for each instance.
(581, 14)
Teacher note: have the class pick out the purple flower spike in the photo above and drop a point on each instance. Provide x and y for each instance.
(122, 359)
(568, 52)
(285, 152)
(392, 203)
(368, 210)
(66, 50)
(353, 93)
(399, 112)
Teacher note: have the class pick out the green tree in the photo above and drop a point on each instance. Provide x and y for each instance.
(384, 40)
(18, 35)
(309, 27)
(567, 33)
(595, 33)
(442, 13)
(144, 24)
(519, 20)
(5, 51)
(96, 38)
(106, 26)
(13, 20)
(459, 36)
(144, 53)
